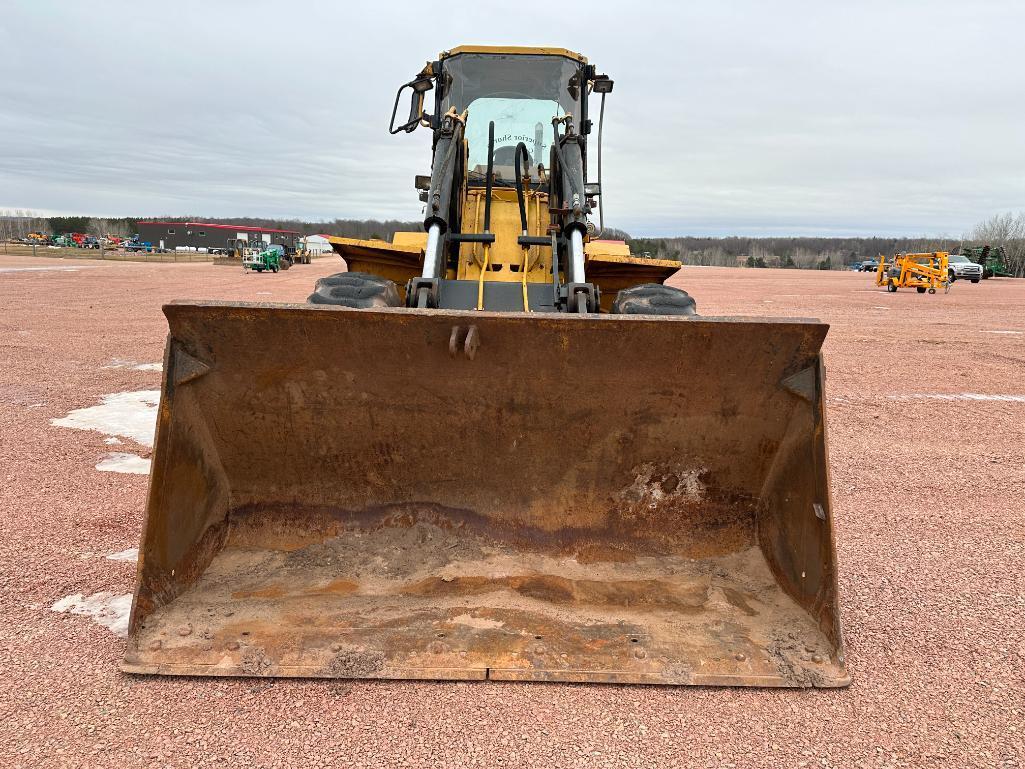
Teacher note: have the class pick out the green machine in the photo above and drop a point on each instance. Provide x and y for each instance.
(271, 259)
(993, 260)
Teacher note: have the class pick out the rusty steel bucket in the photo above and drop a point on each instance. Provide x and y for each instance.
(471, 495)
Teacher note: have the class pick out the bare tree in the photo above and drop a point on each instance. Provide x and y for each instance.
(1007, 230)
(116, 227)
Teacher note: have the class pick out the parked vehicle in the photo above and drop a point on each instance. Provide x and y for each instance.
(134, 245)
(869, 265)
(992, 259)
(270, 259)
(962, 267)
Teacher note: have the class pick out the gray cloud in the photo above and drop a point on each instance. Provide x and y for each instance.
(727, 118)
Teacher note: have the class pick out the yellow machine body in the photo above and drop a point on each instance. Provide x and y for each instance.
(925, 272)
(429, 493)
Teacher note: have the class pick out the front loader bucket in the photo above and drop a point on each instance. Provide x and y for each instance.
(468, 495)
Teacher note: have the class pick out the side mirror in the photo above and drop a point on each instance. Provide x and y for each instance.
(419, 87)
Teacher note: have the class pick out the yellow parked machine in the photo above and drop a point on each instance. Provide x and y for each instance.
(923, 272)
(524, 456)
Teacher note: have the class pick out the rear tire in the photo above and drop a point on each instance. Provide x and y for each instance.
(653, 299)
(891, 287)
(975, 280)
(356, 289)
(921, 289)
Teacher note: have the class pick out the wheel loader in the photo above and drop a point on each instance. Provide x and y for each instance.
(526, 457)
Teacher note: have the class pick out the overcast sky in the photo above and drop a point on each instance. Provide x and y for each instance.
(747, 118)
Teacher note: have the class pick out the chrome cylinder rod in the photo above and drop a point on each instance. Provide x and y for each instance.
(431, 252)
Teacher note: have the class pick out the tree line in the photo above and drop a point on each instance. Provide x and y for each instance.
(795, 252)
(18, 224)
(1007, 230)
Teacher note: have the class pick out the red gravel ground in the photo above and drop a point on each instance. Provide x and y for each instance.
(929, 515)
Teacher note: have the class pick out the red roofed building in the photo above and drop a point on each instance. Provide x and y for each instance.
(169, 236)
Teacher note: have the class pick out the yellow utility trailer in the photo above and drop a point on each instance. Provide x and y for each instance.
(924, 272)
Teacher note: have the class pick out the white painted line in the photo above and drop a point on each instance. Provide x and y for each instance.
(127, 415)
(1016, 333)
(124, 463)
(43, 269)
(105, 608)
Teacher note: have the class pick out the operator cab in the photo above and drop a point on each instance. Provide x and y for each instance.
(508, 198)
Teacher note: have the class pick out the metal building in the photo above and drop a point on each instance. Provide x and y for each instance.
(169, 236)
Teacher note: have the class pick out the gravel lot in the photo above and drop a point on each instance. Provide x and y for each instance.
(928, 494)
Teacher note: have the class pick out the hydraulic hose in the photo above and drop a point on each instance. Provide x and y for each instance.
(521, 151)
(601, 190)
(487, 182)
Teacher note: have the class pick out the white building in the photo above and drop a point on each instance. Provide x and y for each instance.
(317, 244)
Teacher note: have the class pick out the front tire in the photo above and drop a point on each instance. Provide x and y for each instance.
(891, 287)
(975, 280)
(359, 290)
(653, 299)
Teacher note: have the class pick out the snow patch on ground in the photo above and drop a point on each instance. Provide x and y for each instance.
(131, 554)
(1016, 333)
(128, 415)
(112, 441)
(105, 608)
(135, 365)
(119, 462)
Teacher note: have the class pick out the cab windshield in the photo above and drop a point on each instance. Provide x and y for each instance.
(521, 94)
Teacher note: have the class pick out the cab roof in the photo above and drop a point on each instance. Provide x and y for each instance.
(514, 50)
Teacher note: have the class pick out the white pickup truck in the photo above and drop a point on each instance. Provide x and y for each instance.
(962, 267)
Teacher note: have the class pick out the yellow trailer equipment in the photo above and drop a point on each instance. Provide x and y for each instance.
(923, 272)
(525, 457)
